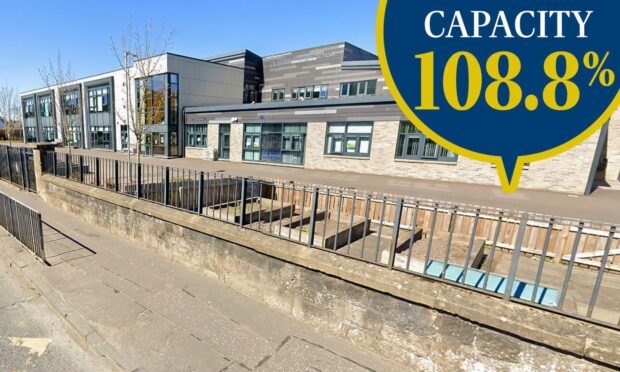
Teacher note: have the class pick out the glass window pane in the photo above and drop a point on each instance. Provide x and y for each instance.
(364, 145)
(430, 148)
(337, 128)
(359, 128)
(372, 87)
(351, 145)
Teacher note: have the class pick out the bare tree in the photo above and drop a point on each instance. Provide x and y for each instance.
(146, 47)
(9, 110)
(67, 100)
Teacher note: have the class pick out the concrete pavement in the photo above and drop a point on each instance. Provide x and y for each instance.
(32, 335)
(603, 205)
(158, 316)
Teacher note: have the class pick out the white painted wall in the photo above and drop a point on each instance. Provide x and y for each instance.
(200, 83)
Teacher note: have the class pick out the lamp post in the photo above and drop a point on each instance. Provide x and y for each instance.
(128, 55)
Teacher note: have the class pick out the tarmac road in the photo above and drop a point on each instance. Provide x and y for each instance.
(32, 335)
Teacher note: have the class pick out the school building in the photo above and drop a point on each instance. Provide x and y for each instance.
(325, 107)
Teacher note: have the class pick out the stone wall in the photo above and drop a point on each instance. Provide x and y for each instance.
(426, 324)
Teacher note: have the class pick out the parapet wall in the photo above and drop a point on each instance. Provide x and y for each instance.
(426, 324)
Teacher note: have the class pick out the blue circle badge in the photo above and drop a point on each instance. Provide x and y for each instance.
(504, 82)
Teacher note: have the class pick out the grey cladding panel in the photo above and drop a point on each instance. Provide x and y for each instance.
(379, 112)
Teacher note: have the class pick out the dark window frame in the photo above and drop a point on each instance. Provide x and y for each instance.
(29, 108)
(408, 132)
(278, 95)
(193, 132)
(310, 92)
(291, 143)
(344, 137)
(45, 102)
(354, 88)
(94, 93)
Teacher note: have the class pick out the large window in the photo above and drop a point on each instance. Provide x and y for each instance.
(101, 137)
(277, 94)
(71, 102)
(49, 133)
(358, 88)
(413, 144)
(173, 99)
(349, 139)
(152, 94)
(45, 106)
(275, 143)
(75, 135)
(31, 134)
(29, 108)
(99, 99)
(310, 92)
(196, 135)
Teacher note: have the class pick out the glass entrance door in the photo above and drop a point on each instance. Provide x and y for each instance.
(224, 141)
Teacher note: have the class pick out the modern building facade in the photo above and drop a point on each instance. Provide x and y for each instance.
(97, 105)
(325, 108)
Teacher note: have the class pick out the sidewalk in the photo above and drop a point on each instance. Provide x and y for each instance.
(601, 206)
(148, 313)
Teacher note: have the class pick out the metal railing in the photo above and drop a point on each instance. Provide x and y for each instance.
(558, 264)
(17, 167)
(23, 223)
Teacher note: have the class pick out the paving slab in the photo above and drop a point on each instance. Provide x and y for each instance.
(159, 316)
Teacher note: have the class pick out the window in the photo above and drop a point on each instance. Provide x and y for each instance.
(45, 106)
(310, 92)
(31, 134)
(349, 139)
(75, 135)
(196, 135)
(413, 144)
(99, 99)
(173, 99)
(151, 92)
(29, 108)
(358, 88)
(277, 94)
(71, 102)
(124, 135)
(275, 143)
(224, 144)
(101, 137)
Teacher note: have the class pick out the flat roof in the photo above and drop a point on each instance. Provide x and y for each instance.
(344, 101)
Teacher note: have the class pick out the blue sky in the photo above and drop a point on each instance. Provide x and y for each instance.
(33, 31)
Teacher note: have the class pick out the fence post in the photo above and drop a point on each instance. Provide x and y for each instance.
(397, 217)
(97, 175)
(54, 164)
(166, 186)
(514, 264)
(243, 202)
(81, 169)
(201, 183)
(139, 181)
(24, 165)
(9, 167)
(27, 169)
(314, 203)
(116, 177)
(67, 166)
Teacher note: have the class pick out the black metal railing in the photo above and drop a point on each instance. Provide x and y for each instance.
(17, 167)
(24, 223)
(558, 264)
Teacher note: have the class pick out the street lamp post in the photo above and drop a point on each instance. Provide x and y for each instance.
(128, 55)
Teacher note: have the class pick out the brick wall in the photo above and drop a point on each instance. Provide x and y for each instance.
(567, 172)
